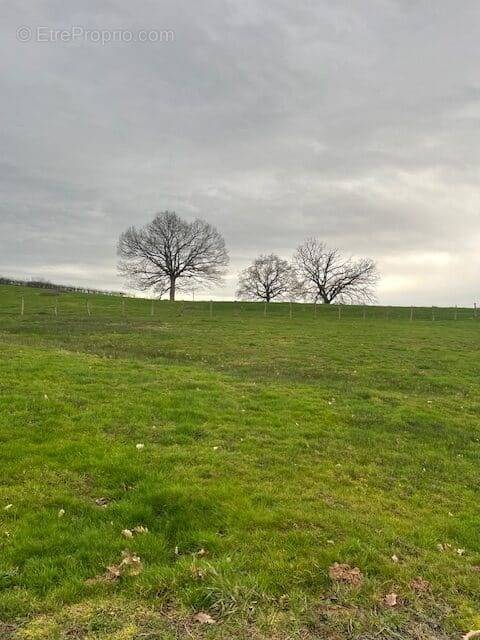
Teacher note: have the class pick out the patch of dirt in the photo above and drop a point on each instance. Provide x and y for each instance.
(7, 631)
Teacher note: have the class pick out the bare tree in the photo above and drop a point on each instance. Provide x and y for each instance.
(327, 276)
(169, 250)
(267, 278)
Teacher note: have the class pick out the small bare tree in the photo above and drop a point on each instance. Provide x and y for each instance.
(267, 278)
(169, 250)
(327, 276)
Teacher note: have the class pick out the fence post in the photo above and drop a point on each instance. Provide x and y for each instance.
(411, 314)
(433, 314)
(23, 306)
(455, 315)
(88, 307)
(475, 310)
(55, 309)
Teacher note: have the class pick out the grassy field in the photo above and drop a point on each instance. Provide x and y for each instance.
(257, 450)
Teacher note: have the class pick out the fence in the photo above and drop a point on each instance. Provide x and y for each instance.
(42, 304)
(58, 288)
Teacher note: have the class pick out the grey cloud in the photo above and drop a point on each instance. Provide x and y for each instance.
(354, 121)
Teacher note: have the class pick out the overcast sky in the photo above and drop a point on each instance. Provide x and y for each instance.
(356, 121)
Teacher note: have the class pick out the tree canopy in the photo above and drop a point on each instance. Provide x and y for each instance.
(169, 251)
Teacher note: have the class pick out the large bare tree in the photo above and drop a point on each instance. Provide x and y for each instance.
(169, 252)
(327, 276)
(267, 278)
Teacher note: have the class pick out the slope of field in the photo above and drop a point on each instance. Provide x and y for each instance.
(257, 451)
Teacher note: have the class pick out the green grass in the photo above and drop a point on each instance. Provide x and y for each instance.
(278, 444)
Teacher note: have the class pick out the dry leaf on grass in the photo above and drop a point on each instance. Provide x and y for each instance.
(102, 502)
(129, 533)
(471, 634)
(140, 529)
(420, 585)
(130, 565)
(203, 618)
(112, 573)
(345, 573)
(395, 558)
(197, 572)
(391, 599)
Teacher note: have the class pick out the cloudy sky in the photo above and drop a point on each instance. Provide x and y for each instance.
(355, 121)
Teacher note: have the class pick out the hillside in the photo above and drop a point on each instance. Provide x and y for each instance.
(253, 451)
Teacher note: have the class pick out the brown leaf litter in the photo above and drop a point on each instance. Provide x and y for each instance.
(102, 502)
(420, 585)
(345, 573)
(129, 533)
(130, 565)
(203, 618)
(391, 599)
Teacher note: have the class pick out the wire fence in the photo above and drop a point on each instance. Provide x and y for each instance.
(43, 304)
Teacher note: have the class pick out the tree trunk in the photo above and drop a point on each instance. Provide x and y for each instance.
(172, 289)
